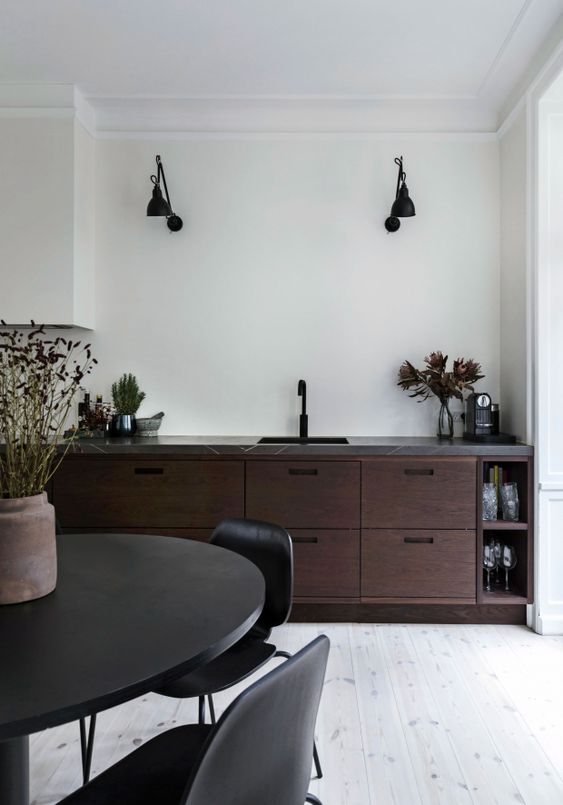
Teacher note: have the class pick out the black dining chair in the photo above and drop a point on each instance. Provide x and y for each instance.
(269, 547)
(258, 752)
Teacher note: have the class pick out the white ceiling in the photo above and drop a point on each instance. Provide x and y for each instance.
(455, 50)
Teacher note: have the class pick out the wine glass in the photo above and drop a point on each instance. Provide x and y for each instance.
(509, 562)
(497, 547)
(489, 563)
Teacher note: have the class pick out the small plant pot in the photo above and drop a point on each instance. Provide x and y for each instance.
(123, 425)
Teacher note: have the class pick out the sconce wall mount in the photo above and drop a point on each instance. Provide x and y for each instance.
(160, 206)
(403, 206)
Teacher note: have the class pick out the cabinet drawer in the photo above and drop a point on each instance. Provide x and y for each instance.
(303, 494)
(418, 564)
(147, 494)
(326, 563)
(419, 493)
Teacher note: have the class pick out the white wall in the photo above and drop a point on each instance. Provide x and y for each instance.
(513, 279)
(284, 270)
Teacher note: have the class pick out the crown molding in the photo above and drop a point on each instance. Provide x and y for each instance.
(139, 117)
(252, 117)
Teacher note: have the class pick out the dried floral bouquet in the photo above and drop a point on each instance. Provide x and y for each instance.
(434, 379)
(39, 378)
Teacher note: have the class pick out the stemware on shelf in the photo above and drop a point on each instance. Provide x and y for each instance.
(497, 547)
(509, 562)
(489, 563)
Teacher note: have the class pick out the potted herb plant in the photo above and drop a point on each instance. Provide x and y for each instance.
(127, 397)
(434, 379)
(39, 378)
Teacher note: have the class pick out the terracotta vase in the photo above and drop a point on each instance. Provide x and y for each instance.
(28, 549)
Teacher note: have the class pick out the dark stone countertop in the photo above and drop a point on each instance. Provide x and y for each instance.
(246, 446)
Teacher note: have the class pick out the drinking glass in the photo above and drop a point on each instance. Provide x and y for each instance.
(509, 562)
(489, 563)
(490, 502)
(509, 499)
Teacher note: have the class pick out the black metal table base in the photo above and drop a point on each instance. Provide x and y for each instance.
(14, 771)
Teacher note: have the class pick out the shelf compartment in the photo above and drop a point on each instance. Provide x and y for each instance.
(504, 525)
(502, 597)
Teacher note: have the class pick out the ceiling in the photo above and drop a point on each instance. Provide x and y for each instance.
(359, 50)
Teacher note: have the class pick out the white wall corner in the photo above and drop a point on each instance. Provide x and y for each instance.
(84, 111)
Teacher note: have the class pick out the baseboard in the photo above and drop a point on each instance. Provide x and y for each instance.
(549, 624)
(408, 613)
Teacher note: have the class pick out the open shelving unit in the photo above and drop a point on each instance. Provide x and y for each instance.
(519, 534)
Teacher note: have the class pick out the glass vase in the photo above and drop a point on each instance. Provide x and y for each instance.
(445, 420)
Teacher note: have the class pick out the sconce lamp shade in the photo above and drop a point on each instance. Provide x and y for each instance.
(403, 206)
(158, 205)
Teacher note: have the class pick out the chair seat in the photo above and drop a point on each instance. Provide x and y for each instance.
(156, 772)
(234, 665)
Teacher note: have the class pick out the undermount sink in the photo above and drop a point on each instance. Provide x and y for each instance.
(303, 440)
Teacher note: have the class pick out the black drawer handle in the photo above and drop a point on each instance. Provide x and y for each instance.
(308, 540)
(418, 472)
(413, 540)
(149, 471)
(302, 471)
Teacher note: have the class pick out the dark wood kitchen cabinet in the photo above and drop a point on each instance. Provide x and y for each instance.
(319, 503)
(140, 493)
(421, 492)
(421, 563)
(304, 494)
(418, 529)
(376, 538)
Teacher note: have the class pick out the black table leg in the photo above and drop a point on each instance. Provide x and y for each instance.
(14, 771)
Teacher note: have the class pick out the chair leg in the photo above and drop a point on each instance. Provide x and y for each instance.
(313, 799)
(87, 746)
(201, 717)
(211, 708)
(318, 769)
(317, 762)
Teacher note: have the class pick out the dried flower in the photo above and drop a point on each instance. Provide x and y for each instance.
(38, 380)
(434, 379)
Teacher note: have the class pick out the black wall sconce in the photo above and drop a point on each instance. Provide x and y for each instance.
(161, 206)
(402, 206)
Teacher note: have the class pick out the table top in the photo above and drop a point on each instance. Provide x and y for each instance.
(130, 612)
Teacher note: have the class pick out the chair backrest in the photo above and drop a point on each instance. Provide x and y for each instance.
(262, 747)
(269, 547)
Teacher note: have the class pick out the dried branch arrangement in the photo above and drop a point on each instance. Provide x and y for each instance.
(39, 378)
(434, 379)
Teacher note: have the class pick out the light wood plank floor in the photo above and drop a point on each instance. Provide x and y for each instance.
(410, 715)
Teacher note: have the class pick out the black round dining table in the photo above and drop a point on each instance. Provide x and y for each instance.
(129, 613)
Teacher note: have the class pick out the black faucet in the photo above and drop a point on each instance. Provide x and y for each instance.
(303, 418)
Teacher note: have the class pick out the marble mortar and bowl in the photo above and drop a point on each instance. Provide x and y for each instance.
(148, 426)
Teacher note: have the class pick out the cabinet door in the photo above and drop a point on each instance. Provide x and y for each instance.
(419, 493)
(304, 494)
(326, 563)
(148, 494)
(418, 564)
